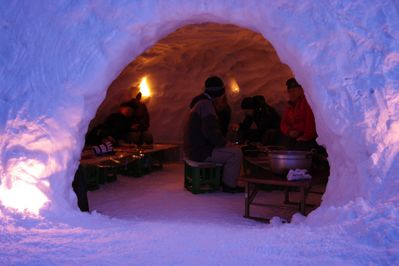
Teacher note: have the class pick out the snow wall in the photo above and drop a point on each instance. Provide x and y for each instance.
(57, 60)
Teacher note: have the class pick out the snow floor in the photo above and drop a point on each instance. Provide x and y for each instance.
(161, 196)
(152, 220)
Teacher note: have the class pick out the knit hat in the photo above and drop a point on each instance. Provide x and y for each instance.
(133, 103)
(292, 83)
(214, 87)
(247, 103)
(138, 96)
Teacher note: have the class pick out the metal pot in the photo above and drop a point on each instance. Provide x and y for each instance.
(281, 160)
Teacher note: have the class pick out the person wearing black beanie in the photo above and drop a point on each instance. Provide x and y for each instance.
(203, 140)
(214, 87)
(261, 123)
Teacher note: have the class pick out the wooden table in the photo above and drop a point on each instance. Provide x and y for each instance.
(89, 158)
(258, 173)
(126, 159)
(96, 170)
(252, 186)
(157, 151)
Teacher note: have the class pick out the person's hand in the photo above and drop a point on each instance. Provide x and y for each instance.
(135, 126)
(294, 134)
(229, 144)
(109, 138)
(235, 126)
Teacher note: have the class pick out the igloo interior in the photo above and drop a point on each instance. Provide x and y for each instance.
(177, 66)
(58, 60)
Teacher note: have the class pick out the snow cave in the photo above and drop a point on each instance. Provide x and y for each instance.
(66, 65)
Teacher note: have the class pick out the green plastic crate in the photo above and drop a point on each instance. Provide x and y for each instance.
(200, 177)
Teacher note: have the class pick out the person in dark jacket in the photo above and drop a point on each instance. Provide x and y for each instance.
(261, 123)
(223, 112)
(298, 124)
(115, 128)
(140, 123)
(203, 139)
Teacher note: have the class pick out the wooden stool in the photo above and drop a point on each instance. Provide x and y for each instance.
(200, 177)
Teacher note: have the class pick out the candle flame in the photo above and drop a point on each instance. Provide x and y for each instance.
(235, 89)
(145, 88)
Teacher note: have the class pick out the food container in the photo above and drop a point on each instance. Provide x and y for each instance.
(282, 160)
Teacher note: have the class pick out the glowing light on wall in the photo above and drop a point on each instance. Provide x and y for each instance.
(234, 88)
(23, 197)
(145, 88)
(23, 193)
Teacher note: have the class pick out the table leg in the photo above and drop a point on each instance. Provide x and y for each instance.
(247, 192)
(253, 193)
(286, 195)
(245, 167)
(303, 199)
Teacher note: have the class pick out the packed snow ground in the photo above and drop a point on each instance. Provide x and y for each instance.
(161, 196)
(152, 220)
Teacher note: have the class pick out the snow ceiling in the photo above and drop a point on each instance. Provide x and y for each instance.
(57, 60)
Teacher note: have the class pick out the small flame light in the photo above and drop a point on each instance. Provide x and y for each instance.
(234, 88)
(145, 88)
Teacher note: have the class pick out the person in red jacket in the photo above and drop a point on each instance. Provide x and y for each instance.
(298, 124)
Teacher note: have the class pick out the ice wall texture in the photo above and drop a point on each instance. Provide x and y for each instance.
(58, 59)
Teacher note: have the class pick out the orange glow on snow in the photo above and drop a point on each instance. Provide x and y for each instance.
(23, 193)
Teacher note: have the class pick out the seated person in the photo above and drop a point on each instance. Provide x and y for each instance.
(223, 112)
(140, 122)
(261, 123)
(115, 128)
(203, 140)
(298, 124)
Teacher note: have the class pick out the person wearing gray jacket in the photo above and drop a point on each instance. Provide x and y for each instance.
(203, 140)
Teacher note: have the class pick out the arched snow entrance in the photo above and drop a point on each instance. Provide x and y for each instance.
(175, 69)
(56, 69)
